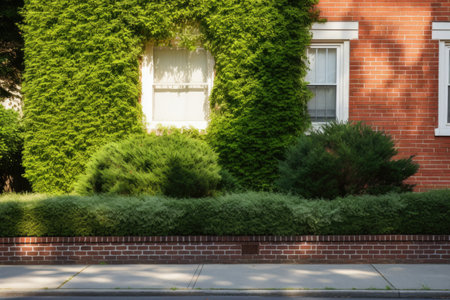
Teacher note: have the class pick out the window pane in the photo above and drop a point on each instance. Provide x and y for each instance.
(174, 65)
(321, 67)
(310, 77)
(331, 66)
(183, 104)
(322, 107)
(197, 66)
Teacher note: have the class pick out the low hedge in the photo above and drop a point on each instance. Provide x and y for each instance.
(248, 213)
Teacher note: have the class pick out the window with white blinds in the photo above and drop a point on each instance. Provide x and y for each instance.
(328, 76)
(323, 82)
(176, 84)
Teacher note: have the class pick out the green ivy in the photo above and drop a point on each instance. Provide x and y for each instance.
(82, 84)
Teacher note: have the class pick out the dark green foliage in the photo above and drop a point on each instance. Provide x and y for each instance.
(11, 146)
(228, 182)
(172, 165)
(259, 99)
(82, 79)
(344, 159)
(233, 214)
(11, 52)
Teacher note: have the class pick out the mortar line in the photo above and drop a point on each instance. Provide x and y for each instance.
(72, 277)
(193, 276)
(198, 275)
(381, 274)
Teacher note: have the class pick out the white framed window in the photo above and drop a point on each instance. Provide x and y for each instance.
(329, 71)
(441, 32)
(176, 84)
(325, 82)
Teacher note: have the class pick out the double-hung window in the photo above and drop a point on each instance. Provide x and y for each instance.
(176, 84)
(441, 32)
(329, 67)
(323, 82)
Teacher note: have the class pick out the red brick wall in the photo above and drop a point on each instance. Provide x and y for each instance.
(394, 77)
(215, 249)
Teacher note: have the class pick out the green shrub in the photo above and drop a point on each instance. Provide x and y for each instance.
(248, 213)
(11, 146)
(228, 182)
(82, 85)
(172, 165)
(344, 159)
(191, 132)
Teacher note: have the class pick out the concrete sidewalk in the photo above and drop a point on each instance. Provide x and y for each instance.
(367, 280)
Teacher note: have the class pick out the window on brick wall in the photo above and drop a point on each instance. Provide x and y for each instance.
(441, 32)
(176, 84)
(324, 79)
(329, 68)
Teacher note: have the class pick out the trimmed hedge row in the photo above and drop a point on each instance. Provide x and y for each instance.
(235, 214)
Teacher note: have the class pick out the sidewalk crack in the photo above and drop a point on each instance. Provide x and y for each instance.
(381, 274)
(72, 277)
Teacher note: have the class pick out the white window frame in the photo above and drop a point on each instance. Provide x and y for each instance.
(337, 35)
(441, 32)
(147, 96)
(341, 105)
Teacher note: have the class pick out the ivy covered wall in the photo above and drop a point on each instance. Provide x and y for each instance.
(82, 84)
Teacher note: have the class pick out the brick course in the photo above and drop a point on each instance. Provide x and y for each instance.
(227, 249)
(394, 77)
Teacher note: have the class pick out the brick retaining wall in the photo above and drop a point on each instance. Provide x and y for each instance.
(227, 249)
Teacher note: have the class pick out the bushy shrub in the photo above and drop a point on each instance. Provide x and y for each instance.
(191, 132)
(228, 182)
(248, 213)
(11, 146)
(172, 165)
(344, 159)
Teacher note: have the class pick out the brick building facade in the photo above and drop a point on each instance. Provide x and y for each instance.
(398, 76)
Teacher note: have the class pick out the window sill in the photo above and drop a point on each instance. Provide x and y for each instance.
(442, 131)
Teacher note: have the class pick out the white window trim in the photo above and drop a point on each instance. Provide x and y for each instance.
(337, 35)
(441, 32)
(337, 31)
(147, 92)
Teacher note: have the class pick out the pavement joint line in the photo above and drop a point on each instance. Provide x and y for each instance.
(381, 274)
(193, 276)
(198, 275)
(72, 277)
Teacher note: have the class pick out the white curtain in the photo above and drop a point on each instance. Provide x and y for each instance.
(180, 85)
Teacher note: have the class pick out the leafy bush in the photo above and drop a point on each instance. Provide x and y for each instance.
(11, 146)
(344, 159)
(248, 213)
(228, 183)
(191, 132)
(173, 165)
(82, 84)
